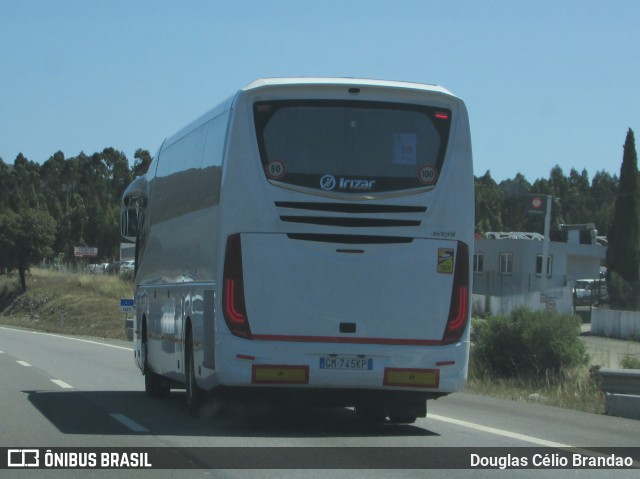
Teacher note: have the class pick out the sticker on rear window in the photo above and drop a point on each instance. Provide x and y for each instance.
(427, 175)
(445, 260)
(405, 146)
(275, 169)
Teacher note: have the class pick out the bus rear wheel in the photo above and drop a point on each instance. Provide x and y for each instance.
(154, 384)
(403, 418)
(194, 393)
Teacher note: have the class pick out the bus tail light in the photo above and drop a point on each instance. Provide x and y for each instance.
(459, 307)
(233, 304)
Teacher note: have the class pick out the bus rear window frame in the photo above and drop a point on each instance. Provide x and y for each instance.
(261, 120)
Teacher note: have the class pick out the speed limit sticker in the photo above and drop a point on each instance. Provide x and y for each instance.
(275, 169)
(427, 175)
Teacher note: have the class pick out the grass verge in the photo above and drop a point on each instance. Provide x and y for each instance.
(69, 303)
(576, 388)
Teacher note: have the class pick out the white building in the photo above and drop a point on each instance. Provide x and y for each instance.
(508, 269)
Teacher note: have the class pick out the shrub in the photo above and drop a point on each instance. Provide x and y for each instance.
(624, 295)
(526, 343)
(127, 276)
(629, 362)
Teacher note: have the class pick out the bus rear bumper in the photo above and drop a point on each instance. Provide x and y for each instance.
(431, 371)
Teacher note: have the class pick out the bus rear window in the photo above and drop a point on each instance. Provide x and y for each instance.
(351, 146)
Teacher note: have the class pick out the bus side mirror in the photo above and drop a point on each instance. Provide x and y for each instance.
(129, 224)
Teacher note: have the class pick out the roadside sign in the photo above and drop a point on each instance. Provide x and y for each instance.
(536, 204)
(127, 305)
(82, 251)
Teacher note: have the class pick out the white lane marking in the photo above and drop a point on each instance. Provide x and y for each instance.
(67, 337)
(500, 432)
(24, 363)
(1, 352)
(62, 384)
(134, 426)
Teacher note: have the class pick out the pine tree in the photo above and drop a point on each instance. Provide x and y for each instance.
(623, 252)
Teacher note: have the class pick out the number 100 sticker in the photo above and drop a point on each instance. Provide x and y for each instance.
(275, 169)
(428, 175)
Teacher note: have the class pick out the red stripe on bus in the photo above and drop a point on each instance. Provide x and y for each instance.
(338, 339)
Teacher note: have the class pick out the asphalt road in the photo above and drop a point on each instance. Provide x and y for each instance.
(58, 391)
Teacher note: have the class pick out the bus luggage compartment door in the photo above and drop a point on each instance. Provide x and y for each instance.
(305, 289)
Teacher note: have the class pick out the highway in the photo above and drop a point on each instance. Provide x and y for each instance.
(59, 391)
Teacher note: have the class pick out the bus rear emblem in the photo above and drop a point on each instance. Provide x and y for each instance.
(327, 182)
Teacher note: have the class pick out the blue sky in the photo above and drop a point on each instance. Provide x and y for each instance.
(546, 82)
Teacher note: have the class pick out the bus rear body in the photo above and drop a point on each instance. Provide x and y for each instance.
(313, 238)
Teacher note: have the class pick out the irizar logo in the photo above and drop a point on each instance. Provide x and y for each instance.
(328, 183)
(351, 184)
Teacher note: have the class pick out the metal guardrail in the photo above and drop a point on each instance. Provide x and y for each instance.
(622, 388)
(620, 381)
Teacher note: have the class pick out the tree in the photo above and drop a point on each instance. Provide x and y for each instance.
(8, 226)
(489, 201)
(601, 200)
(575, 202)
(51, 183)
(24, 187)
(623, 253)
(143, 160)
(5, 185)
(118, 171)
(514, 191)
(109, 238)
(25, 238)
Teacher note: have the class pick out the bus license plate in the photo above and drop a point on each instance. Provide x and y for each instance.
(346, 363)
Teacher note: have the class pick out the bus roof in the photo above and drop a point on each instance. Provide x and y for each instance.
(263, 82)
(302, 81)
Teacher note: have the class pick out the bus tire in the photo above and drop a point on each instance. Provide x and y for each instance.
(154, 384)
(407, 412)
(403, 418)
(194, 393)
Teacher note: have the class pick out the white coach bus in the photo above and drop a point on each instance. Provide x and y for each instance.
(309, 238)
